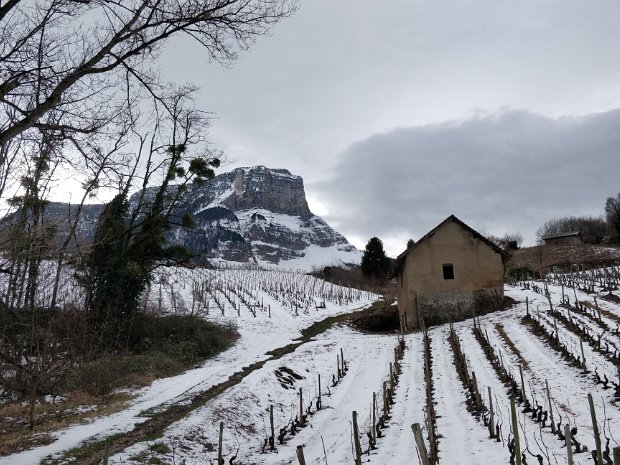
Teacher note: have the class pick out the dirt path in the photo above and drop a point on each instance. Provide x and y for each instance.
(163, 415)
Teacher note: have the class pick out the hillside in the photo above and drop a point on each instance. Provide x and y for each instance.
(253, 215)
(548, 256)
(537, 360)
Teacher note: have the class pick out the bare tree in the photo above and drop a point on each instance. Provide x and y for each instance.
(612, 211)
(86, 60)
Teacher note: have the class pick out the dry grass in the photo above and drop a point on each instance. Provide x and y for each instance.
(547, 256)
(15, 435)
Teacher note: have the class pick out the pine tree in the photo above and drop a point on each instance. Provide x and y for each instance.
(375, 264)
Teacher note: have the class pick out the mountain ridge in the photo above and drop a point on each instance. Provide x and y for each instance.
(249, 215)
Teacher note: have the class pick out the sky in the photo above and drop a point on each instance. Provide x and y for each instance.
(401, 112)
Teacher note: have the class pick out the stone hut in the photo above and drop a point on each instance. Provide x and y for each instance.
(449, 274)
(565, 238)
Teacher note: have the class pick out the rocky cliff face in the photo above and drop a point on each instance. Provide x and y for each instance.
(260, 215)
(251, 215)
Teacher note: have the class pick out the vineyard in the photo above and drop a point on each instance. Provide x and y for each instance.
(538, 383)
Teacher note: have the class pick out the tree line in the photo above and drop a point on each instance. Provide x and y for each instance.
(82, 101)
(593, 229)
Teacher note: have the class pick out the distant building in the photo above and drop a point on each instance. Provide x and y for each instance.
(565, 238)
(450, 273)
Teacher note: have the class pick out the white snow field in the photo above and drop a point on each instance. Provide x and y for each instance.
(327, 436)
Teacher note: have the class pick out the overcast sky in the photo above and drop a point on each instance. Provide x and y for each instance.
(398, 113)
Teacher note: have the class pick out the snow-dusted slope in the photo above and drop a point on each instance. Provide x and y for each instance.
(260, 215)
(254, 215)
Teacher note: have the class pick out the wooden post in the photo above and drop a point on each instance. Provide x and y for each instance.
(550, 407)
(300, 455)
(106, 452)
(385, 401)
(419, 440)
(338, 366)
(301, 407)
(597, 437)
(342, 360)
(491, 415)
(577, 307)
(356, 440)
(527, 306)
(515, 430)
(569, 446)
(557, 333)
(269, 308)
(522, 383)
(220, 459)
(320, 402)
(616, 455)
(476, 392)
(272, 439)
(583, 355)
(391, 377)
(374, 417)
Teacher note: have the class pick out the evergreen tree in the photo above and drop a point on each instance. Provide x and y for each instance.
(410, 243)
(108, 267)
(375, 264)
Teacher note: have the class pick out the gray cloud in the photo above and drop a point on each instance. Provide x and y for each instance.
(340, 71)
(504, 172)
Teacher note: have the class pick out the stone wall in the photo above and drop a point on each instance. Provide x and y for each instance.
(443, 308)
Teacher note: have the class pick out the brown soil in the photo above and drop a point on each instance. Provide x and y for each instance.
(380, 320)
(511, 345)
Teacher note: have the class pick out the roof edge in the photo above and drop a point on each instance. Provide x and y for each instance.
(400, 260)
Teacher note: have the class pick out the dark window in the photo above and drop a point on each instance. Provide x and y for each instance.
(448, 271)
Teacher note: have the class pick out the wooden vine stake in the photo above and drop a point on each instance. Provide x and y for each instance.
(320, 401)
(374, 417)
(597, 437)
(550, 407)
(385, 401)
(419, 440)
(300, 455)
(106, 452)
(522, 383)
(272, 438)
(527, 307)
(515, 431)
(569, 446)
(301, 407)
(491, 415)
(583, 355)
(356, 440)
(220, 459)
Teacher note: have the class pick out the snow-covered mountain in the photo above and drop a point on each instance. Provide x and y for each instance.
(253, 215)
(260, 215)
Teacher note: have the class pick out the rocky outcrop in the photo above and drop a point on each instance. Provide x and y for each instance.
(259, 215)
(249, 215)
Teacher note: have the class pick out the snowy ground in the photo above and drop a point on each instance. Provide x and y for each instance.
(259, 335)
(327, 437)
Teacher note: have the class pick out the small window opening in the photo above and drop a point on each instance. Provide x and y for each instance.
(448, 271)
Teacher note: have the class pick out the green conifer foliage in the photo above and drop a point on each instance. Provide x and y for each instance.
(375, 263)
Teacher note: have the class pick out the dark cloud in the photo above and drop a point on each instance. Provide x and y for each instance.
(505, 172)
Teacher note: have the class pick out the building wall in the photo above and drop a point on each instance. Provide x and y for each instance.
(568, 240)
(478, 278)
